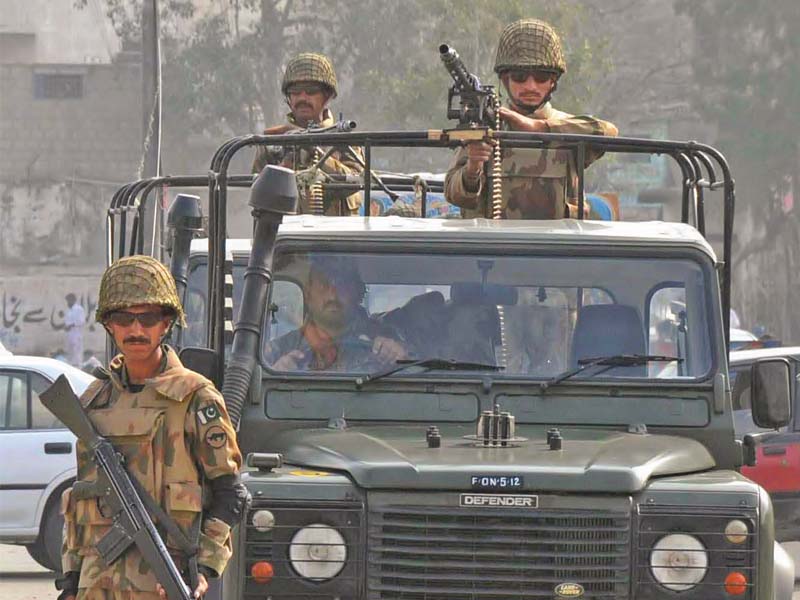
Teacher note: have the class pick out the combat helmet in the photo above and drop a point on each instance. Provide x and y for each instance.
(136, 280)
(530, 44)
(310, 66)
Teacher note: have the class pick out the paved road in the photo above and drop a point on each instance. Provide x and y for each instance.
(22, 579)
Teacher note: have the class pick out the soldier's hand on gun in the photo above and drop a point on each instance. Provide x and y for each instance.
(388, 349)
(477, 154)
(520, 122)
(199, 592)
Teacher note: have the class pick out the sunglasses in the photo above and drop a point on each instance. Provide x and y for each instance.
(308, 88)
(126, 319)
(521, 76)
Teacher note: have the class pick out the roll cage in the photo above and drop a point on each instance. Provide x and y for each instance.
(703, 169)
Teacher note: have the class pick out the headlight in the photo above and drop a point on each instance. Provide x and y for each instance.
(317, 552)
(679, 561)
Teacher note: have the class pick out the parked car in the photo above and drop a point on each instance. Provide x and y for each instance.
(38, 456)
(777, 467)
(741, 338)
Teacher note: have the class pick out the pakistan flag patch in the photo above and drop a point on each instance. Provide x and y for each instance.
(207, 414)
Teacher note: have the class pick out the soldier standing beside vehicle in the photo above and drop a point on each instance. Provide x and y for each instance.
(309, 84)
(537, 183)
(172, 428)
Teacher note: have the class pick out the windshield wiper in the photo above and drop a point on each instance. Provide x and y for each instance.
(608, 362)
(429, 364)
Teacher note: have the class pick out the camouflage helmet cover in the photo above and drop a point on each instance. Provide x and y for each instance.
(309, 66)
(136, 280)
(530, 44)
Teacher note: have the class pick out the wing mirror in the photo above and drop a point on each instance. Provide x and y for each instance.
(200, 360)
(771, 393)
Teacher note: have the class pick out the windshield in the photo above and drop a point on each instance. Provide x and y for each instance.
(532, 316)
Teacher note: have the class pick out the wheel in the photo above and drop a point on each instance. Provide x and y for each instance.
(47, 549)
(37, 553)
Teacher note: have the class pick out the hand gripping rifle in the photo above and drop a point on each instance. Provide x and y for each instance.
(478, 106)
(131, 522)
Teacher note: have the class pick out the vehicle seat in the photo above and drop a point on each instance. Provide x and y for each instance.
(606, 330)
(421, 322)
(473, 325)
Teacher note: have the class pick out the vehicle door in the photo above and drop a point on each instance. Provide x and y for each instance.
(36, 448)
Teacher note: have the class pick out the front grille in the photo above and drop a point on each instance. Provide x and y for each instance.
(439, 553)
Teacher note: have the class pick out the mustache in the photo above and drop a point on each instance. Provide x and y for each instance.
(302, 104)
(136, 340)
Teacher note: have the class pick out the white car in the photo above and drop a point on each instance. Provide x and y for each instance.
(38, 456)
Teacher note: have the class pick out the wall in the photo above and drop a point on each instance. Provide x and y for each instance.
(95, 136)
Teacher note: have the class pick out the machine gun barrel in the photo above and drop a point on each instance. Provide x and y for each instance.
(131, 522)
(455, 66)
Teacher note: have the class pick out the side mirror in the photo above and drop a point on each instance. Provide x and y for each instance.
(200, 360)
(771, 393)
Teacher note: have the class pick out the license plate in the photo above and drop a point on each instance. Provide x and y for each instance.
(496, 482)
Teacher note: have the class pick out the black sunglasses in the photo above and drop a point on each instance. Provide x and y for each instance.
(521, 76)
(126, 319)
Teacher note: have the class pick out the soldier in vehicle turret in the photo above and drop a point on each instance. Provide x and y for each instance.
(537, 183)
(309, 84)
(337, 334)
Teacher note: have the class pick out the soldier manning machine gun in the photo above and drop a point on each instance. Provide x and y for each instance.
(131, 521)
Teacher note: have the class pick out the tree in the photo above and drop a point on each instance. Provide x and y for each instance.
(746, 75)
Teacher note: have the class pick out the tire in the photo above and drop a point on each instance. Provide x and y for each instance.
(51, 532)
(37, 553)
(46, 550)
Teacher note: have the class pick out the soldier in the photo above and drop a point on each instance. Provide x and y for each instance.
(337, 333)
(537, 183)
(172, 428)
(309, 83)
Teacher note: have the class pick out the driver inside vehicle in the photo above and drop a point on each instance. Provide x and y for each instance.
(337, 333)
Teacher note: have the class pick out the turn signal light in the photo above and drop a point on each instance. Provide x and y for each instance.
(262, 572)
(736, 583)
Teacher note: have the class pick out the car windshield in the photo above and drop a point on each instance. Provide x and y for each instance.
(532, 316)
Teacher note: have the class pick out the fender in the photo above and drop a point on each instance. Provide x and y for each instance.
(783, 574)
(58, 481)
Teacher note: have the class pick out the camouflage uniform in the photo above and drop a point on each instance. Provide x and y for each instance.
(537, 183)
(351, 350)
(176, 438)
(314, 68)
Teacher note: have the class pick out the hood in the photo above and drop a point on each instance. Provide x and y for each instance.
(399, 457)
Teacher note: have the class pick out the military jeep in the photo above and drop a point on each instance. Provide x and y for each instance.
(559, 421)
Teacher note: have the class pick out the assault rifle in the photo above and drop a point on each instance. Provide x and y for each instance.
(131, 523)
(277, 154)
(476, 102)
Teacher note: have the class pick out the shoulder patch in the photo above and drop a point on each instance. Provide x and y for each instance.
(207, 414)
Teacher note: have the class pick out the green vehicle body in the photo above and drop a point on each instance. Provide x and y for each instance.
(421, 510)
(629, 470)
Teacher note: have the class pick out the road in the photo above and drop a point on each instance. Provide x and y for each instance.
(22, 579)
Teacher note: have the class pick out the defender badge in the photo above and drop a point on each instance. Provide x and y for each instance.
(569, 590)
(499, 500)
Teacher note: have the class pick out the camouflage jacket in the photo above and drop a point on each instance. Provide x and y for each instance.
(340, 161)
(351, 350)
(173, 433)
(536, 183)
